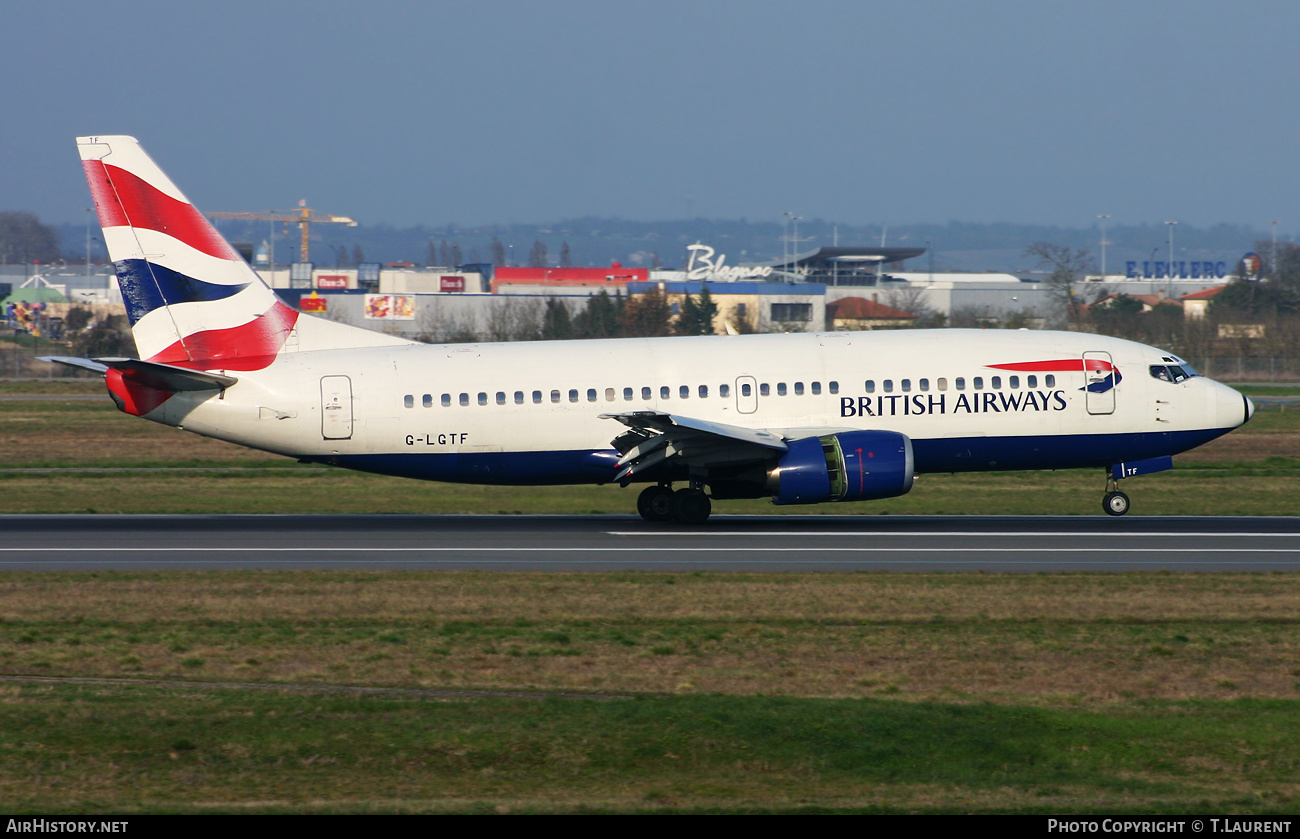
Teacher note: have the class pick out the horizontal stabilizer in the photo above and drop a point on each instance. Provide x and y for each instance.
(166, 377)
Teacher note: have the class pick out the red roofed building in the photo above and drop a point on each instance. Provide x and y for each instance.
(614, 278)
(1197, 303)
(855, 313)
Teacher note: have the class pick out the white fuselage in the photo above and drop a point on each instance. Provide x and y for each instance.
(496, 412)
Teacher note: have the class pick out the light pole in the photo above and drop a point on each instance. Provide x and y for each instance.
(785, 239)
(1103, 218)
(1169, 270)
(1274, 222)
(794, 247)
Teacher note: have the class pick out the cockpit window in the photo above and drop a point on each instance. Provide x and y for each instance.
(1173, 373)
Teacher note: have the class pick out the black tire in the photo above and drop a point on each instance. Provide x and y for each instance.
(691, 506)
(655, 503)
(1115, 503)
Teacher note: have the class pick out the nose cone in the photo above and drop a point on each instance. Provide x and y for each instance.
(1234, 408)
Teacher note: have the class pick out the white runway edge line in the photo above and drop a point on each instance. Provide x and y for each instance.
(857, 534)
(657, 549)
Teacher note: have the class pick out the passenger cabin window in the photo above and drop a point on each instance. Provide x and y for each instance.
(704, 391)
(609, 394)
(780, 388)
(835, 388)
(798, 388)
(943, 384)
(871, 386)
(746, 389)
(591, 394)
(684, 391)
(408, 400)
(464, 399)
(978, 384)
(889, 385)
(537, 397)
(961, 383)
(519, 397)
(627, 394)
(925, 384)
(724, 391)
(482, 399)
(997, 382)
(907, 385)
(501, 397)
(665, 392)
(555, 397)
(428, 400)
(764, 389)
(816, 388)
(573, 394)
(1031, 381)
(645, 393)
(1049, 380)
(1015, 382)
(446, 400)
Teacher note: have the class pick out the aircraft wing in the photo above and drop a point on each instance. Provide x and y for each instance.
(654, 437)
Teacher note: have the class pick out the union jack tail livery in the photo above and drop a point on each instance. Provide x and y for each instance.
(193, 303)
(191, 299)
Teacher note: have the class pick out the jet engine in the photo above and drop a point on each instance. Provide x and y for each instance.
(853, 466)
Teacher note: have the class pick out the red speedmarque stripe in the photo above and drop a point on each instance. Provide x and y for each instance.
(126, 200)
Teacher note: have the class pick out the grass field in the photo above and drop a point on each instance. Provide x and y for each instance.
(1071, 693)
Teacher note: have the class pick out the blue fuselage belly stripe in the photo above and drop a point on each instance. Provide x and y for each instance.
(966, 454)
(147, 286)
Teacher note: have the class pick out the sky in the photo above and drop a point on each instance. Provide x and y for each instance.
(496, 111)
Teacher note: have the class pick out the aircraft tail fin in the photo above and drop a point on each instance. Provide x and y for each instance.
(191, 299)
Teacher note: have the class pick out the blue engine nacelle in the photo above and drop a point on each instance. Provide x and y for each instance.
(854, 466)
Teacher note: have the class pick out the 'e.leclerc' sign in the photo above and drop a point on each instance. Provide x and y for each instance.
(1176, 270)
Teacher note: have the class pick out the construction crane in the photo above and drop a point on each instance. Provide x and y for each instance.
(304, 216)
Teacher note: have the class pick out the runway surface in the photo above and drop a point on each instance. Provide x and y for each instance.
(613, 543)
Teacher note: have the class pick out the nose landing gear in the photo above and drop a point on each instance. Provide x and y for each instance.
(1115, 503)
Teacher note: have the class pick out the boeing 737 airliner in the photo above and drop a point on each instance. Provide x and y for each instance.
(799, 418)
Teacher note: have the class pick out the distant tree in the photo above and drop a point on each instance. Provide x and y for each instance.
(696, 317)
(537, 256)
(557, 323)
(1068, 269)
(110, 337)
(453, 255)
(1119, 316)
(341, 257)
(1283, 264)
(566, 256)
(77, 319)
(646, 315)
(358, 255)
(24, 239)
(602, 317)
(498, 252)
(655, 262)
(437, 253)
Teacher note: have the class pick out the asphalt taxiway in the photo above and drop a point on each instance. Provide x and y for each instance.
(614, 543)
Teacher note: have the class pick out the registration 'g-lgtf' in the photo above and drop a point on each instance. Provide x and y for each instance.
(800, 419)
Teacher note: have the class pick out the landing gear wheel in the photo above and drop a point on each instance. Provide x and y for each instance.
(691, 506)
(655, 503)
(1115, 503)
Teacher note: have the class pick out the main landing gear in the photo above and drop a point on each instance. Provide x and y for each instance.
(660, 503)
(1115, 503)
